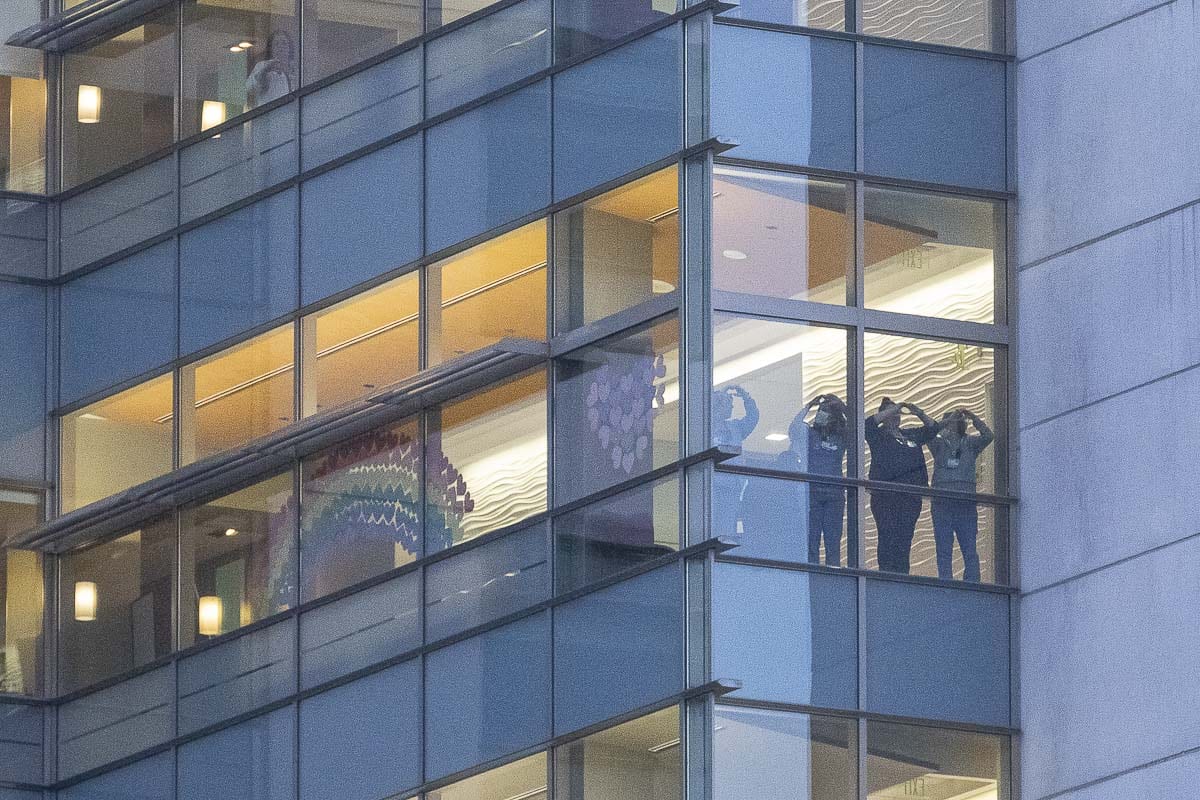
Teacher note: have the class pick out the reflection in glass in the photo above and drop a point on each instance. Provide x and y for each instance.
(116, 443)
(826, 14)
(780, 755)
(493, 291)
(641, 758)
(254, 760)
(21, 596)
(361, 511)
(903, 760)
(238, 559)
(953, 539)
(339, 34)
(115, 605)
(617, 250)
(933, 255)
(977, 24)
(525, 779)
(582, 26)
(779, 234)
(786, 520)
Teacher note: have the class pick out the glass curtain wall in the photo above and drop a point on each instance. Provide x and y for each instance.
(22, 104)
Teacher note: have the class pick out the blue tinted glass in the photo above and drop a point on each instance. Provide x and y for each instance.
(20, 743)
(953, 660)
(827, 14)
(581, 26)
(784, 97)
(784, 520)
(360, 220)
(488, 166)
(934, 117)
(486, 583)
(487, 696)
(617, 112)
(99, 345)
(116, 722)
(22, 364)
(251, 761)
(362, 741)
(22, 238)
(149, 779)
(618, 649)
(800, 644)
(361, 109)
(237, 272)
(486, 55)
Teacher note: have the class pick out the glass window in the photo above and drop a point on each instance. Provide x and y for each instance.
(362, 108)
(936, 255)
(937, 652)
(443, 12)
(487, 167)
(617, 112)
(826, 14)
(937, 537)
(22, 105)
(786, 520)
(784, 97)
(154, 779)
(491, 292)
(361, 509)
(779, 755)
(485, 462)
(237, 395)
(23, 350)
(116, 443)
(100, 346)
(487, 696)
(338, 35)
(21, 594)
(21, 748)
(907, 760)
(251, 761)
(119, 98)
(617, 250)
(362, 741)
(639, 759)
(362, 344)
(116, 722)
(360, 220)
(934, 117)
(236, 676)
(616, 410)
(490, 53)
(978, 24)
(237, 55)
(778, 234)
(525, 779)
(624, 643)
(614, 534)
(582, 26)
(801, 643)
(115, 605)
(22, 236)
(238, 559)
(486, 583)
(237, 272)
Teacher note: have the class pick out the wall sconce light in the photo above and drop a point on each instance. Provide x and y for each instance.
(212, 114)
(86, 600)
(89, 104)
(209, 615)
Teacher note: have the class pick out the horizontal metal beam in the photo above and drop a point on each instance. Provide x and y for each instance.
(89, 21)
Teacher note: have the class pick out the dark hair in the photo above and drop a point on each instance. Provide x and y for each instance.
(280, 36)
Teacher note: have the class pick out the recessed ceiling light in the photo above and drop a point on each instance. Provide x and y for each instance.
(245, 45)
(231, 532)
(661, 287)
(235, 48)
(734, 255)
(777, 437)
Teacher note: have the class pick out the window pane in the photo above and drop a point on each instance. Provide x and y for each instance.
(119, 98)
(23, 238)
(361, 509)
(152, 779)
(487, 167)
(485, 462)
(582, 26)
(486, 583)
(827, 14)
(339, 35)
(778, 755)
(616, 410)
(23, 351)
(443, 12)
(525, 779)
(617, 112)
(617, 533)
(239, 559)
(362, 741)
(902, 759)
(237, 272)
(933, 117)
(362, 108)
(618, 250)
(784, 97)
(932, 254)
(360, 220)
(237, 395)
(785, 520)
(473, 295)
(23, 93)
(361, 344)
(21, 749)
(487, 696)
(115, 605)
(116, 722)
(251, 761)
(237, 676)
(978, 24)
(639, 759)
(21, 595)
(954, 663)
(952, 538)
(116, 443)
(493, 52)
(778, 234)
(222, 76)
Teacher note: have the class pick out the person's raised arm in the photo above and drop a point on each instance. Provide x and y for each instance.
(986, 436)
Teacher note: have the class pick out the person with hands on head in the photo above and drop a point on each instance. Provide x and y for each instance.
(271, 77)
(955, 453)
(819, 447)
(897, 457)
(729, 489)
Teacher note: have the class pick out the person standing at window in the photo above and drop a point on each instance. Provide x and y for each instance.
(819, 447)
(954, 455)
(730, 431)
(271, 77)
(897, 457)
